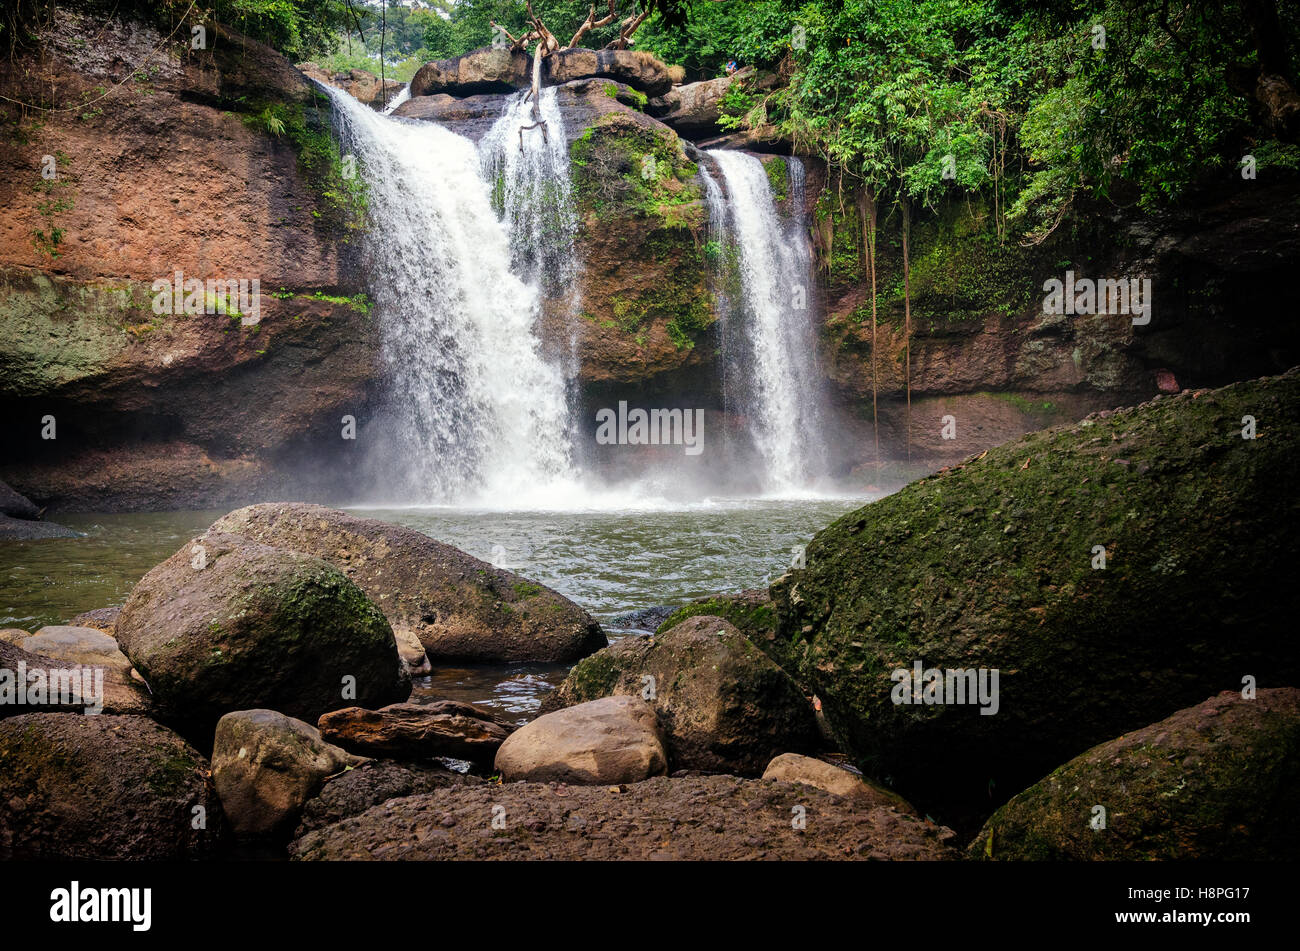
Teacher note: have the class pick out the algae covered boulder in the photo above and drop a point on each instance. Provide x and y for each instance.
(457, 606)
(722, 704)
(1112, 572)
(229, 624)
(1217, 781)
(103, 787)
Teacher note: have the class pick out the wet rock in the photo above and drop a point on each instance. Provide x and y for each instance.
(636, 68)
(71, 645)
(485, 70)
(793, 768)
(103, 787)
(375, 782)
(721, 703)
(931, 574)
(107, 690)
(611, 740)
(101, 619)
(229, 624)
(708, 818)
(457, 606)
(1218, 781)
(693, 109)
(417, 731)
(20, 529)
(362, 85)
(16, 505)
(266, 766)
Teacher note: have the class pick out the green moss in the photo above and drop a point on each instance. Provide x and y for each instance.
(342, 192)
(778, 177)
(621, 168)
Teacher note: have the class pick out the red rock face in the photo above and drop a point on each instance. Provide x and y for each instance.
(168, 167)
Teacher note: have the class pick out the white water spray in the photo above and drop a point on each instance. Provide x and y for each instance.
(773, 345)
(475, 414)
(526, 161)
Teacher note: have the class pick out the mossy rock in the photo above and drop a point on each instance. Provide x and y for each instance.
(1218, 781)
(751, 612)
(991, 565)
(104, 788)
(722, 705)
(228, 624)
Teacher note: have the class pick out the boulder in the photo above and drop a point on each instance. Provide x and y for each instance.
(698, 818)
(361, 84)
(16, 505)
(21, 529)
(485, 70)
(99, 689)
(105, 788)
(751, 612)
(376, 781)
(693, 109)
(71, 645)
(229, 624)
(722, 704)
(636, 68)
(1219, 781)
(611, 740)
(994, 565)
(457, 606)
(101, 619)
(266, 765)
(793, 768)
(417, 731)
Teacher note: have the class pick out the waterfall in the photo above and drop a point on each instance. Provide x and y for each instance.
(474, 413)
(526, 161)
(769, 341)
(397, 100)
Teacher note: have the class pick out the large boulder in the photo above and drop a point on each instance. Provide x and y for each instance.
(103, 620)
(722, 704)
(1218, 781)
(458, 607)
(266, 766)
(611, 740)
(103, 787)
(230, 624)
(990, 565)
(485, 70)
(417, 731)
(699, 818)
(693, 109)
(636, 68)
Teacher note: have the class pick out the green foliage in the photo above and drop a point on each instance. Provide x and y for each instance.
(343, 195)
(54, 200)
(299, 29)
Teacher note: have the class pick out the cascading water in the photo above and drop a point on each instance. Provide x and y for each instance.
(397, 100)
(769, 338)
(526, 161)
(474, 413)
